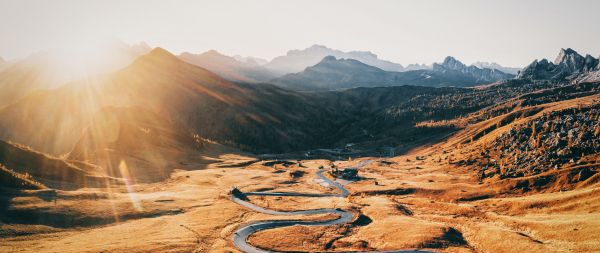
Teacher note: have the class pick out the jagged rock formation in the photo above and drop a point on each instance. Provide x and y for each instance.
(479, 75)
(567, 65)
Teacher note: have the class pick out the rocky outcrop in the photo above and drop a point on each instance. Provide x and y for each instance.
(568, 65)
(484, 75)
(547, 142)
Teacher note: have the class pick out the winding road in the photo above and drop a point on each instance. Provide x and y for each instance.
(240, 237)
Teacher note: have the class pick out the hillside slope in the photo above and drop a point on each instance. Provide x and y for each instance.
(136, 144)
(548, 141)
(38, 170)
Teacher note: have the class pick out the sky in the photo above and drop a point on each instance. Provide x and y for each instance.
(509, 32)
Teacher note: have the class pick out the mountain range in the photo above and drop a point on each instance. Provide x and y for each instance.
(153, 149)
(160, 104)
(182, 100)
(39, 66)
(297, 60)
(250, 116)
(331, 73)
(477, 75)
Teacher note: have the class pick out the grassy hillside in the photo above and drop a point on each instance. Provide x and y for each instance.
(27, 166)
(545, 140)
(14, 180)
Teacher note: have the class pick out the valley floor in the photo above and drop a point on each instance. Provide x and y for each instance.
(417, 200)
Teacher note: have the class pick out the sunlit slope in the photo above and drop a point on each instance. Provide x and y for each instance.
(548, 140)
(254, 115)
(20, 79)
(148, 145)
(38, 170)
(51, 69)
(196, 100)
(52, 120)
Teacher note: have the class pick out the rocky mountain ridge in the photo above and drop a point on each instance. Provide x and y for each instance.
(331, 74)
(485, 75)
(568, 65)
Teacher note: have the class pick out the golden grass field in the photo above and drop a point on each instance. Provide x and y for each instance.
(192, 212)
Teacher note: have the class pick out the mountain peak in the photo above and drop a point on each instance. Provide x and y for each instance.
(566, 54)
(317, 46)
(568, 51)
(160, 52)
(329, 58)
(451, 60)
(212, 52)
(159, 55)
(452, 63)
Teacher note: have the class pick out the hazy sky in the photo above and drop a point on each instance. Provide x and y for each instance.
(510, 32)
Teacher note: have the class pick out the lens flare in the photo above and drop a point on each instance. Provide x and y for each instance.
(135, 201)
